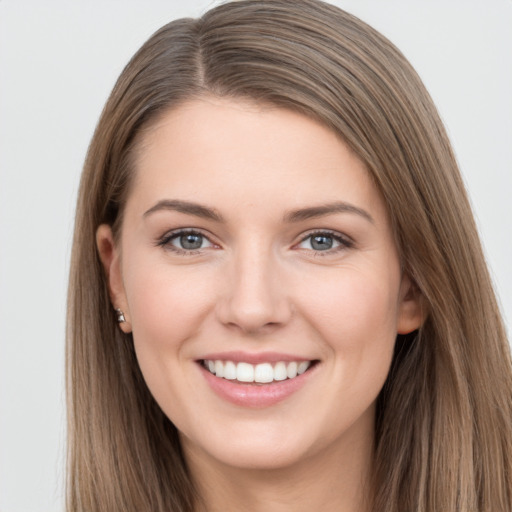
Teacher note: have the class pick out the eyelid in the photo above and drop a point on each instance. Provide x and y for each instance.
(165, 240)
(344, 241)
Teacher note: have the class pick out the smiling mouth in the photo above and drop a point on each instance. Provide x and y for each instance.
(263, 373)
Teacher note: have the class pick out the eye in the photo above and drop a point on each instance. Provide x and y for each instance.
(324, 241)
(185, 241)
(189, 241)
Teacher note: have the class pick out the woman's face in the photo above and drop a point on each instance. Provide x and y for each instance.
(255, 246)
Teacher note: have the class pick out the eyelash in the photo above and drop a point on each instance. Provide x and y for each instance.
(343, 241)
(166, 240)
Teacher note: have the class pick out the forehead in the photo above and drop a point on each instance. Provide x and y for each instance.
(232, 151)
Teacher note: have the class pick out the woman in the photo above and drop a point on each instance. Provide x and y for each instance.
(278, 297)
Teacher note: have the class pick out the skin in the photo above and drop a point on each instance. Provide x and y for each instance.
(258, 284)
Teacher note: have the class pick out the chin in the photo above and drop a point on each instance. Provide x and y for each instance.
(257, 456)
(258, 447)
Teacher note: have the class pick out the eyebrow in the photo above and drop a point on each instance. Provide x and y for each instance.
(186, 207)
(312, 212)
(326, 209)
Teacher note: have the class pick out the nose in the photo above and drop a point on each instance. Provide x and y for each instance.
(254, 298)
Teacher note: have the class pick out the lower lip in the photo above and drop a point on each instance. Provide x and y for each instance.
(255, 395)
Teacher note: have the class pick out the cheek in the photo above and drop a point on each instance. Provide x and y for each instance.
(166, 303)
(355, 317)
(354, 305)
(167, 307)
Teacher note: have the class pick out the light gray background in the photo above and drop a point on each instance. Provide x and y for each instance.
(58, 62)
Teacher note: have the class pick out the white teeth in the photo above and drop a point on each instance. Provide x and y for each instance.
(261, 373)
(244, 372)
(280, 371)
(291, 370)
(219, 369)
(229, 370)
(302, 367)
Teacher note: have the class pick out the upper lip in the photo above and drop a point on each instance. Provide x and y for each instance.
(253, 357)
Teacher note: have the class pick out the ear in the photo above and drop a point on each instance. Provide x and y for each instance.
(110, 258)
(411, 309)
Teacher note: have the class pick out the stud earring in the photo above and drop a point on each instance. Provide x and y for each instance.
(120, 316)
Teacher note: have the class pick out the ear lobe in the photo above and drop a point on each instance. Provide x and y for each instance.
(110, 258)
(411, 309)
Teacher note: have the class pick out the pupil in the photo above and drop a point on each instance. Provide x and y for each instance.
(191, 241)
(321, 242)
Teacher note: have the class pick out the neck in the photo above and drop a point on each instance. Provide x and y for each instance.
(336, 479)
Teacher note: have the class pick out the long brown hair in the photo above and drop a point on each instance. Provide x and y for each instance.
(444, 417)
